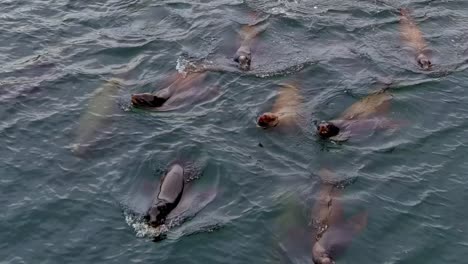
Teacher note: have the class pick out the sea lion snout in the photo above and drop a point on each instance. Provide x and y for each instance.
(147, 100)
(243, 59)
(267, 120)
(156, 215)
(424, 62)
(327, 129)
(144, 99)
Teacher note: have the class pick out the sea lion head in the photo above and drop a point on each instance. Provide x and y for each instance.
(320, 256)
(156, 215)
(267, 120)
(327, 129)
(243, 60)
(147, 100)
(424, 62)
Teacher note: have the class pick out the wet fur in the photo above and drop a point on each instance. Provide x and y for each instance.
(162, 207)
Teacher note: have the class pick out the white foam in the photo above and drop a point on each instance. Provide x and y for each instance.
(181, 64)
(142, 229)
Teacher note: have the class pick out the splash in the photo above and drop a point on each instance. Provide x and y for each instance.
(142, 229)
(181, 65)
(184, 66)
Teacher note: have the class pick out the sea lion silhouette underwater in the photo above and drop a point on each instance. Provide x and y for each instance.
(97, 116)
(330, 234)
(175, 196)
(361, 118)
(333, 234)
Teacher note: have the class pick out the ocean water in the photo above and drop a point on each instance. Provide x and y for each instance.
(68, 71)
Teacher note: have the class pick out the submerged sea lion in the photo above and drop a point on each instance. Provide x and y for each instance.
(333, 234)
(170, 193)
(180, 91)
(247, 36)
(412, 36)
(327, 208)
(360, 118)
(242, 60)
(97, 116)
(285, 110)
(336, 238)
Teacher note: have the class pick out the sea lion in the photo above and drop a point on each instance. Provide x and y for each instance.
(170, 193)
(247, 37)
(360, 118)
(180, 91)
(332, 234)
(327, 208)
(97, 116)
(285, 110)
(412, 36)
(336, 238)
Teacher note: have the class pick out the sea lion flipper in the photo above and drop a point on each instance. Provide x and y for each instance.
(192, 202)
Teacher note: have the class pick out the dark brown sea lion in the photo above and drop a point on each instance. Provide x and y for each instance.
(170, 193)
(184, 88)
(361, 118)
(413, 38)
(248, 37)
(285, 110)
(333, 234)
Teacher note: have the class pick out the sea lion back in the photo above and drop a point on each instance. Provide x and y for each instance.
(410, 32)
(288, 99)
(368, 106)
(172, 184)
